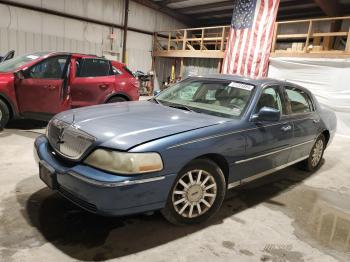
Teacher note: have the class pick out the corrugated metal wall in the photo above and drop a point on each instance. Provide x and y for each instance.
(200, 66)
(27, 31)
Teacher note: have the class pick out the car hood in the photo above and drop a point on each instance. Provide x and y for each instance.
(125, 125)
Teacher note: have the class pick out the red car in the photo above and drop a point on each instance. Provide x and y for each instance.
(42, 84)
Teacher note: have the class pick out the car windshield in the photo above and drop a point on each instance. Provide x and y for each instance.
(15, 63)
(215, 97)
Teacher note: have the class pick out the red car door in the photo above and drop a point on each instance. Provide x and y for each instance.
(44, 89)
(93, 81)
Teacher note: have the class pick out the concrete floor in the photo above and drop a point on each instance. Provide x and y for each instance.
(289, 216)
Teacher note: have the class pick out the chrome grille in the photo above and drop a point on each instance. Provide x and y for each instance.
(67, 140)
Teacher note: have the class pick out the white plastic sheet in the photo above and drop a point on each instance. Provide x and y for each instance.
(327, 79)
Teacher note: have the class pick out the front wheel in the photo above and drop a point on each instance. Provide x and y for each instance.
(197, 193)
(316, 154)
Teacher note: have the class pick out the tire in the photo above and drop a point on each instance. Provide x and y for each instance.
(4, 114)
(116, 99)
(189, 205)
(313, 162)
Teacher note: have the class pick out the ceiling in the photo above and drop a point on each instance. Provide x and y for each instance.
(219, 12)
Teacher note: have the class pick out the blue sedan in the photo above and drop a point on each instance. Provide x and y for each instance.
(182, 150)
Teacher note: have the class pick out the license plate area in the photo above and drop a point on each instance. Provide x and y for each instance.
(47, 175)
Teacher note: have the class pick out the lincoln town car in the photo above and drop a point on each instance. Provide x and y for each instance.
(181, 151)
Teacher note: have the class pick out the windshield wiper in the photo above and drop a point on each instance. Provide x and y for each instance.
(155, 100)
(182, 107)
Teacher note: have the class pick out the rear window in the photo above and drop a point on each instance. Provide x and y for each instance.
(92, 67)
(300, 102)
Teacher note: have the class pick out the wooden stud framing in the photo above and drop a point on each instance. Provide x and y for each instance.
(347, 48)
(308, 37)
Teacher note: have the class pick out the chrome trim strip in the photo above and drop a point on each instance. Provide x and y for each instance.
(265, 173)
(234, 184)
(234, 132)
(220, 135)
(115, 184)
(274, 152)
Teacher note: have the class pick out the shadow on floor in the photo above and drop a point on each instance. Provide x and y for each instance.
(85, 236)
(26, 124)
(24, 127)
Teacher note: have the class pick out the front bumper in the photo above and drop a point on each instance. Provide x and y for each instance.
(104, 193)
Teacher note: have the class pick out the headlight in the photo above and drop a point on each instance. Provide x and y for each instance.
(125, 163)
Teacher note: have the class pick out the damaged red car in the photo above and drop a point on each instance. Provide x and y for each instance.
(42, 84)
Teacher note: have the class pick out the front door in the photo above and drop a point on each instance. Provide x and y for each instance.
(267, 143)
(42, 91)
(93, 81)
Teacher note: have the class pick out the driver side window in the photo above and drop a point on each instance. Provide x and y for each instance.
(51, 68)
(270, 97)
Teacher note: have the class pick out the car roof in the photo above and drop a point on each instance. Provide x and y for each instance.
(78, 55)
(259, 82)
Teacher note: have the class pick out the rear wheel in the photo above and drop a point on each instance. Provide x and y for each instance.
(316, 154)
(4, 114)
(116, 99)
(197, 193)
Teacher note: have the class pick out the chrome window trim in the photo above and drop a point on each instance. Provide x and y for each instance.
(264, 173)
(274, 152)
(114, 184)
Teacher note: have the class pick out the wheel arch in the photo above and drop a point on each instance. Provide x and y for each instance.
(119, 94)
(220, 161)
(12, 110)
(327, 135)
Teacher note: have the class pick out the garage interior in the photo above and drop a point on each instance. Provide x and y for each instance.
(291, 215)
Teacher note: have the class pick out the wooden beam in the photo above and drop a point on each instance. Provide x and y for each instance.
(190, 53)
(308, 37)
(125, 32)
(321, 54)
(330, 8)
(347, 48)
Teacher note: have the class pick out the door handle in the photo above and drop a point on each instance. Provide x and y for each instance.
(316, 121)
(50, 87)
(103, 86)
(286, 128)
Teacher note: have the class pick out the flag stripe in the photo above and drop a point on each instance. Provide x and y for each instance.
(250, 39)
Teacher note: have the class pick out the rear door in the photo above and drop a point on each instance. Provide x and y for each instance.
(301, 111)
(93, 82)
(268, 143)
(43, 89)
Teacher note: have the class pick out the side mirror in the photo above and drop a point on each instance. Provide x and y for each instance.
(267, 114)
(156, 92)
(19, 75)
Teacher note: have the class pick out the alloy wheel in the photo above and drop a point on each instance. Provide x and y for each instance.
(317, 153)
(194, 193)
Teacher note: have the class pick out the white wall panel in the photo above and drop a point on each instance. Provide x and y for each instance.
(28, 31)
(139, 47)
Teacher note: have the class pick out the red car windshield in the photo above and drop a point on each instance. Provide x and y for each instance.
(15, 63)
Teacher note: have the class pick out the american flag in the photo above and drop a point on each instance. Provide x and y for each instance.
(249, 43)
